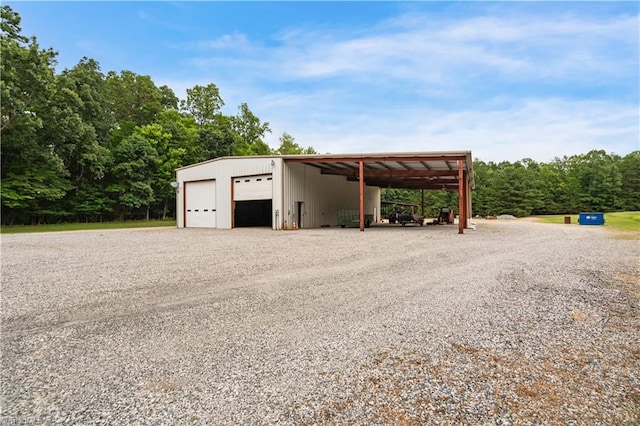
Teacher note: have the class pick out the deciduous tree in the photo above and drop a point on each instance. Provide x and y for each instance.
(289, 146)
(33, 175)
(203, 103)
(133, 171)
(133, 100)
(250, 130)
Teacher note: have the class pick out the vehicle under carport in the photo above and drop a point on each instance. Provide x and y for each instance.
(449, 171)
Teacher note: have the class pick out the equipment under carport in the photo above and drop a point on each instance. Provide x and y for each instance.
(407, 217)
(445, 216)
(405, 213)
(351, 219)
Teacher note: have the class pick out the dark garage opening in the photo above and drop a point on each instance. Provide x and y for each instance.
(253, 213)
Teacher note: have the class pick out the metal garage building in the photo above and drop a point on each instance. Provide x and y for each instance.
(308, 191)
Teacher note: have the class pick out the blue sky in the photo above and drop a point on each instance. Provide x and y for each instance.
(506, 80)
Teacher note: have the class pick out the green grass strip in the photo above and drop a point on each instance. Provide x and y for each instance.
(58, 227)
(618, 221)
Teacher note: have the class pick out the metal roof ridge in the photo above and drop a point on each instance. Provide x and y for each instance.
(362, 155)
(380, 154)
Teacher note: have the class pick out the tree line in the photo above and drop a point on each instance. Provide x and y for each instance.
(83, 145)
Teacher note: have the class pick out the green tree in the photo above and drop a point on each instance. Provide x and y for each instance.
(79, 126)
(630, 175)
(75, 113)
(33, 175)
(176, 139)
(534, 186)
(133, 172)
(88, 82)
(515, 189)
(27, 75)
(484, 196)
(203, 103)
(184, 135)
(132, 100)
(92, 203)
(217, 134)
(288, 146)
(167, 159)
(598, 180)
(218, 138)
(169, 98)
(250, 130)
(560, 190)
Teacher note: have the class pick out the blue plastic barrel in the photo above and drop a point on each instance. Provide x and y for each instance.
(591, 219)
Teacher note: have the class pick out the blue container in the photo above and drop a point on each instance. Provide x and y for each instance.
(591, 219)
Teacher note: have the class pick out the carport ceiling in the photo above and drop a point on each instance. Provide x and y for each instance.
(425, 170)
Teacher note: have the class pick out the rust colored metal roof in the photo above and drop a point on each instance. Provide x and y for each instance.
(415, 170)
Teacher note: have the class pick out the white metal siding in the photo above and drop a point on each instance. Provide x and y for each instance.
(253, 188)
(200, 198)
(323, 196)
(224, 170)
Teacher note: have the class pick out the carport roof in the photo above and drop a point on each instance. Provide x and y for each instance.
(411, 170)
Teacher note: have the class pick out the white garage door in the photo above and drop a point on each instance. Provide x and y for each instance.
(200, 204)
(253, 188)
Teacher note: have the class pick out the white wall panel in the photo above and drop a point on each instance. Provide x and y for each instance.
(323, 196)
(223, 170)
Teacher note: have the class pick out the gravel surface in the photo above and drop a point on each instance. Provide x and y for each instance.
(513, 323)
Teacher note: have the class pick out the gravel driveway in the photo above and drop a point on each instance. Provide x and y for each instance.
(513, 323)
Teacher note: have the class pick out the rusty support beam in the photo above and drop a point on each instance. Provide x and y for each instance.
(432, 185)
(465, 190)
(461, 201)
(391, 173)
(361, 195)
(469, 197)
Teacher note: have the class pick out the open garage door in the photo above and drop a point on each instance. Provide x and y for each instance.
(252, 196)
(200, 204)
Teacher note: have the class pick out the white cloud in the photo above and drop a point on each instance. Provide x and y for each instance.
(534, 128)
(506, 86)
(520, 47)
(231, 42)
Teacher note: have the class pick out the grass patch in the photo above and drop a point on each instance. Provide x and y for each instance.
(618, 221)
(58, 227)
